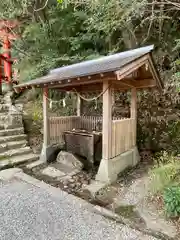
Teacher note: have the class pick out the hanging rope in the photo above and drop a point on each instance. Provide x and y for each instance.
(94, 98)
(85, 99)
(53, 101)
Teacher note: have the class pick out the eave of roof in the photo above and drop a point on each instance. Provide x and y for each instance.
(107, 64)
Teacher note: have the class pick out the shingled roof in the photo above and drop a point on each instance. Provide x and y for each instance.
(105, 64)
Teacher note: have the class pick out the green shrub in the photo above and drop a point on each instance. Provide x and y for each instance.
(163, 176)
(172, 201)
(36, 111)
(164, 173)
(164, 157)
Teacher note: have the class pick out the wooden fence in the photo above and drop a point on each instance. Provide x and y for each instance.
(123, 136)
(91, 123)
(58, 125)
(123, 130)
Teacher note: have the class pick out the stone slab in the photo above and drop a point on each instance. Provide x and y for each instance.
(16, 160)
(65, 169)
(94, 187)
(52, 172)
(35, 164)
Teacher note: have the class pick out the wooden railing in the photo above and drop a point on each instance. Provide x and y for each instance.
(123, 131)
(57, 125)
(90, 123)
(123, 136)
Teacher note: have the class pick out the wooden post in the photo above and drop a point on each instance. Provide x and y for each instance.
(1, 76)
(45, 118)
(134, 111)
(107, 121)
(79, 101)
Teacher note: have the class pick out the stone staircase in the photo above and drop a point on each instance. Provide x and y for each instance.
(14, 149)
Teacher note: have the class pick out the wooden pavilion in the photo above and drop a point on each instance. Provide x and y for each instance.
(131, 70)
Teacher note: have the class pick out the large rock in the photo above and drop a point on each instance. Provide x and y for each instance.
(69, 160)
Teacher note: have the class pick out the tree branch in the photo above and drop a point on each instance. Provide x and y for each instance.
(39, 9)
(173, 3)
(151, 22)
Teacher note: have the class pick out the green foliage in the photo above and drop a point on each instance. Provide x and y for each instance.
(172, 201)
(163, 157)
(164, 173)
(64, 32)
(36, 111)
(173, 131)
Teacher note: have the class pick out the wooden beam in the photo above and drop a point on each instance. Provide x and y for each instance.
(0, 77)
(154, 73)
(131, 67)
(133, 103)
(144, 83)
(116, 85)
(107, 121)
(134, 112)
(75, 84)
(45, 118)
(79, 101)
(53, 81)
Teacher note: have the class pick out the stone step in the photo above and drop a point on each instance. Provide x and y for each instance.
(13, 138)
(9, 127)
(12, 145)
(17, 160)
(9, 132)
(38, 163)
(1, 127)
(4, 107)
(10, 121)
(15, 152)
(3, 118)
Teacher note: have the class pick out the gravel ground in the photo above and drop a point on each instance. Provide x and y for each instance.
(32, 212)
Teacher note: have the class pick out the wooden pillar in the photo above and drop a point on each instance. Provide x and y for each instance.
(1, 76)
(45, 118)
(134, 111)
(107, 121)
(79, 102)
(7, 63)
(133, 103)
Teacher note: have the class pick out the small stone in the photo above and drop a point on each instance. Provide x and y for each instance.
(71, 180)
(81, 175)
(65, 186)
(72, 185)
(85, 182)
(65, 182)
(76, 178)
(69, 160)
(78, 184)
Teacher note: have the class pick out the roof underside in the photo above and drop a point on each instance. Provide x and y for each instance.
(104, 65)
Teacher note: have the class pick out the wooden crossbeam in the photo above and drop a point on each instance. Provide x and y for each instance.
(131, 67)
